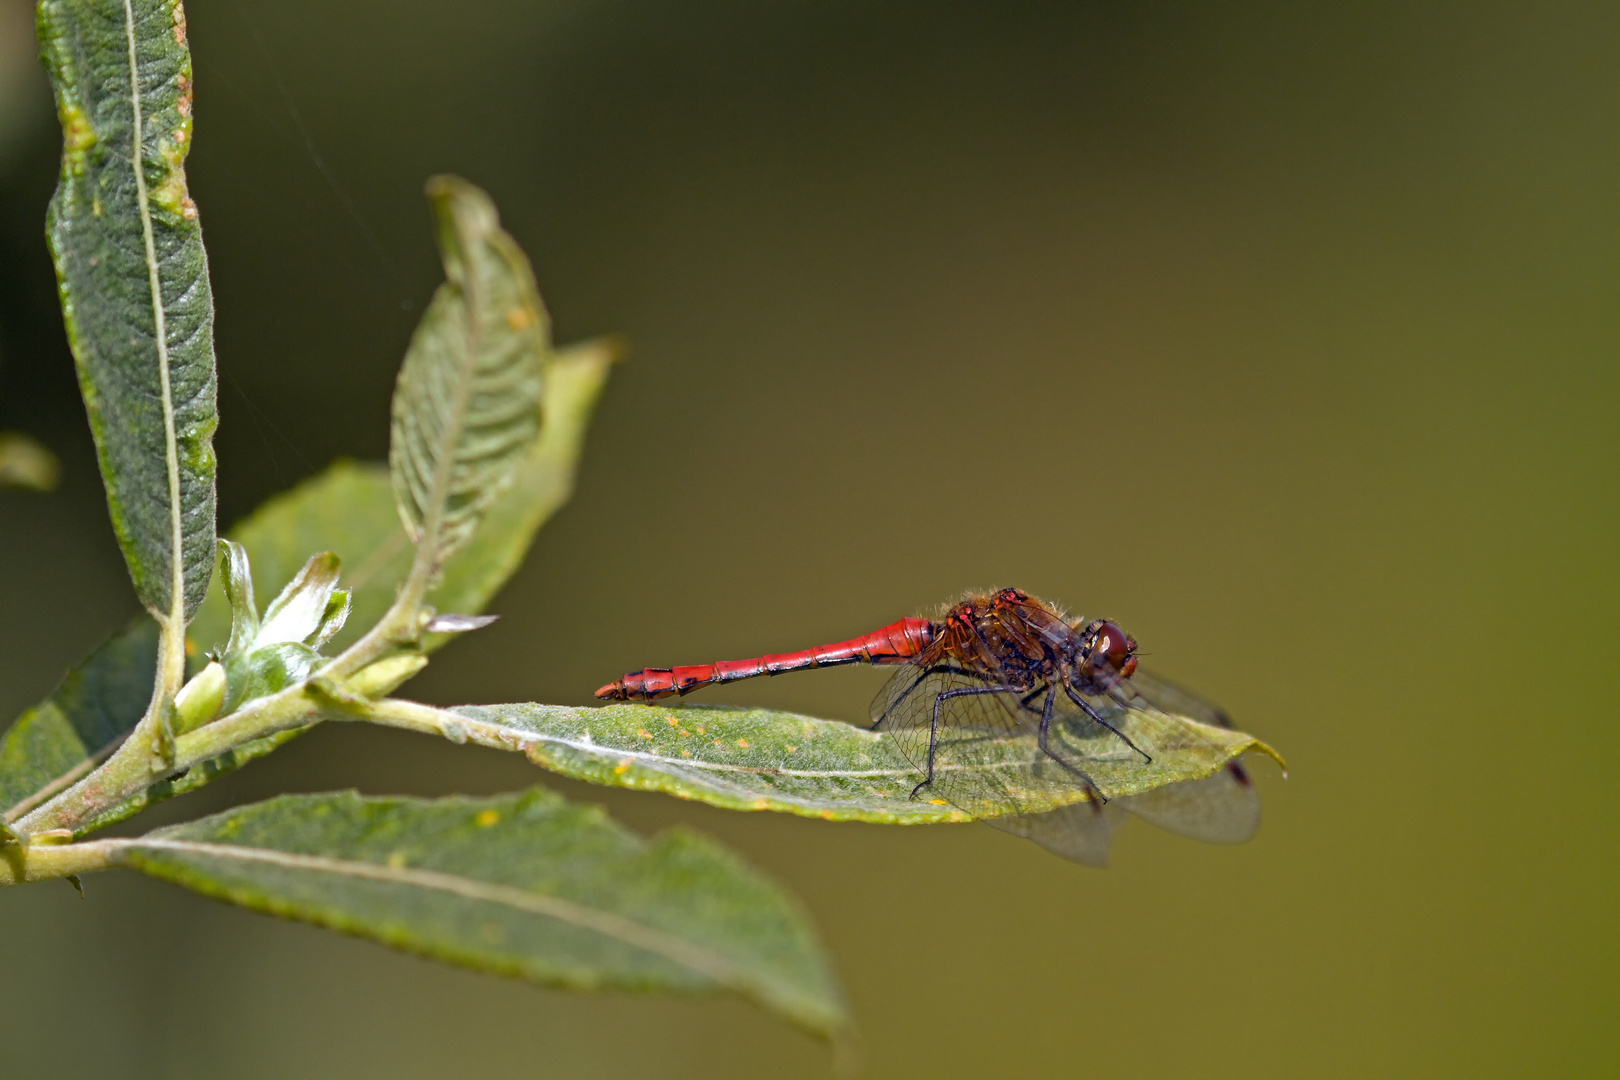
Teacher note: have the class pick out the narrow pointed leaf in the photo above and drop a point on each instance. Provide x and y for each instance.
(524, 884)
(133, 281)
(299, 612)
(542, 482)
(236, 586)
(349, 509)
(758, 759)
(467, 404)
(332, 618)
(98, 703)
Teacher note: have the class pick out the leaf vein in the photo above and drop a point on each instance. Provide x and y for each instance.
(696, 958)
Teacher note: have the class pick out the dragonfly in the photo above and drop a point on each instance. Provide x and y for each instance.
(1004, 705)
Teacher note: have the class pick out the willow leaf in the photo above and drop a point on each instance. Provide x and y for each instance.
(759, 759)
(133, 282)
(523, 884)
(98, 703)
(349, 509)
(467, 404)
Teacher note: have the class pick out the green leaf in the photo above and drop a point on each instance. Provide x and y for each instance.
(133, 281)
(349, 509)
(98, 703)
(236, 581)
(523, 884)
(542, 482)
(25, 463)
(268, 654)
(467, 404)
(758, 759)
(310, 609)
(265, 671)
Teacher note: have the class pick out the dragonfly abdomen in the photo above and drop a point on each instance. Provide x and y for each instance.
(897, 643)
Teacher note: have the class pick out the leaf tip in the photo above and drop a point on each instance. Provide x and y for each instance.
(457, 624)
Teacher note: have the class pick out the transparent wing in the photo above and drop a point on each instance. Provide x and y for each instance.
(1219, 809)
(1082, 833)
(1149, 689)
(982, 743)
(983, 740)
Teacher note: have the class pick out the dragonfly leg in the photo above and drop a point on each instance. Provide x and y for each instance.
(933, 723)
(1032, 695)
(949, 669)
(1097, 798)
(1086, 708)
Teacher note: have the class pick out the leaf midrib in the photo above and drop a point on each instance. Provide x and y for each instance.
(177, 570)
(693, 957)
(433, 525)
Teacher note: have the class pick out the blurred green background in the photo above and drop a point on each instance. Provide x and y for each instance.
(1284, 334)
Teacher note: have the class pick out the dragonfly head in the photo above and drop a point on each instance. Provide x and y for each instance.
(1106, 651)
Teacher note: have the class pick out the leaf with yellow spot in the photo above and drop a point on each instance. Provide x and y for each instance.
(467, 403)
(525, 884)
(839, 772)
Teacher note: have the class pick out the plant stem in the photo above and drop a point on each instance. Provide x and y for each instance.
(428, 720)
(136, 763)
(41, 862)
(128, 772)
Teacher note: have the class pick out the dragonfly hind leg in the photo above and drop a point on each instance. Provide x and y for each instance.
(948, 669)
(933, 723)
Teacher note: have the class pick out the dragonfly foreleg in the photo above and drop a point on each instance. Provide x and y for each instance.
(933, 722)
(1086, 708)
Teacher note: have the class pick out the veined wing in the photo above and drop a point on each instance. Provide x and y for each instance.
(1162, 694)
(989, 759)
(983, 742)
(1219, 809)
(1082, 833)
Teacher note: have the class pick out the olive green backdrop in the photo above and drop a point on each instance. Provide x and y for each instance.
(1284, 334)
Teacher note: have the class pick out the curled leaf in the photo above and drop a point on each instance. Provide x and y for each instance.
(350, 509)
(301, 612)
(236, 580)
(467, 404)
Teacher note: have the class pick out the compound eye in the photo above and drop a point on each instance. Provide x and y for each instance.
(1113, 650)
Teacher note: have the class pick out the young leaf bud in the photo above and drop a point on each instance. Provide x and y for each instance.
(199, 700)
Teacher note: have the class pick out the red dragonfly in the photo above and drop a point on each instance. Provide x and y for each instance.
(1006, 703)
